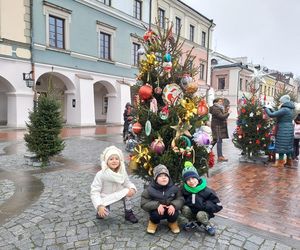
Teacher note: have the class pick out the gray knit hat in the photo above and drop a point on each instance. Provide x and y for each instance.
(160, 169)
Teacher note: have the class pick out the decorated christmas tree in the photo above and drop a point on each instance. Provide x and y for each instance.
(170, 118)
(253, 133)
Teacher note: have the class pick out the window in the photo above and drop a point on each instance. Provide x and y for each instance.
(192, 33)
(203, 38)
(177, 25)
(57, 28)
(241, 84)
(135, 54)
(107, 2)
(221, 83)
(161, 18)
(190, 65)
(201, 71)
(104, 105)
(246, 84)
(265, 90)
(56, 32)
(269, 91)
(137, 9)
(105, 46)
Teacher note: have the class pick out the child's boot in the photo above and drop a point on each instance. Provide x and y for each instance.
(278, 164)
(210, 230)
(174, 227)
(129, 215)
(289, 163)
(151, 229)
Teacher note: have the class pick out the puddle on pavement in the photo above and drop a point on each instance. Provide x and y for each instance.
(16, 148)
(27, 190)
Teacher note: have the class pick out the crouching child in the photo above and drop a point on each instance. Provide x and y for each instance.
(201, 202)
(162, 200)
(112, 184)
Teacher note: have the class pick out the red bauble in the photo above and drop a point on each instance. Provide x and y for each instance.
(158, 146)
(145, 92)
(137, 128)
(202, 108)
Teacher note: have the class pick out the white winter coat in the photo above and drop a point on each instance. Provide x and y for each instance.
(109, 187)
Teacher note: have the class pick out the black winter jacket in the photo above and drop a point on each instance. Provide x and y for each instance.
(155, 194)
(205, 200)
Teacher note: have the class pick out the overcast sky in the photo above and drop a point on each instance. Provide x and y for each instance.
(266, 31)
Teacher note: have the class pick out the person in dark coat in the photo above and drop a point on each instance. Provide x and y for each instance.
(219, 126)
(296, 137)
(284, 138)
(162, 200)
(201, 202)
(127, 116)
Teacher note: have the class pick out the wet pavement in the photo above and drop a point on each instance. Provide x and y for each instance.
(51, 209)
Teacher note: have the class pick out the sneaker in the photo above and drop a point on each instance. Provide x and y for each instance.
(210, 230)
(189, 226)
(129, 215)
(222, 159)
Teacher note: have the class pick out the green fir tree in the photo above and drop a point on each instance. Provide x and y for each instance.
(44, 127)
(253, 131)
(169, 118)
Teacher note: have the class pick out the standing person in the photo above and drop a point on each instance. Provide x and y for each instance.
(112, 184)
(162, 200)
(127, 116)
(201, 202)
(219, 126)
(284, 138)
(296, 137)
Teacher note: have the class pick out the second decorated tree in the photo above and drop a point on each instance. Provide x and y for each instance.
(253, 133)
(170, 119)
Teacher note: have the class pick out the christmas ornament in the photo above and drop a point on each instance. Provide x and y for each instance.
(158, 90)
(185, 80)
(132, 165)
(141, 157)
(243, 110)
(158, 146)
(201, 138)
(137, 128)
(182, 128)
(141, 51)
(191, 88)
(130, 144)
(148, 128)
(167, 66)
(164, 113)
(171, 94)
(251, 114)
(211, 159)
(153, 105)
(145, 92)
(182, 145)
(202, 108)
(189, 107)
(167, 57)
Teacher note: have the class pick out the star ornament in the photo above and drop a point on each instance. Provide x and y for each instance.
(182, 129)
(258, 76)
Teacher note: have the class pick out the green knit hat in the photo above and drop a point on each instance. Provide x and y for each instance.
(189, 171)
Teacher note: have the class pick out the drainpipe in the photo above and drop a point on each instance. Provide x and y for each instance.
(207, 59)
(32, 58)
(238, 86)
(150, 14)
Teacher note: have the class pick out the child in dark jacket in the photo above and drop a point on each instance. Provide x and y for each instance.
(162, 200)
(201, 202)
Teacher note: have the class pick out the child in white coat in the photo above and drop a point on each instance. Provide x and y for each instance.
(112, 184)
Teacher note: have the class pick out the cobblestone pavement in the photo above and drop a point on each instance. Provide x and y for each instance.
(55, 211)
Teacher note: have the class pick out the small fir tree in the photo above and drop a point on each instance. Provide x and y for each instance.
(253, 131)
(170, 118)
(44, 127)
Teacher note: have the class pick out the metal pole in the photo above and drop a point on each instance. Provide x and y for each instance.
(150, 14)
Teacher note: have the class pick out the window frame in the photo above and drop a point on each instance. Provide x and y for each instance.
(223, 83)
(137, 10)
(177, 25)
(135, 57)
(61, 14)
(192, 33)
(161, 18)
(203, 38)
(201, 71)
(108, 30)
(106, 2)
(56, 33)
(241, 84)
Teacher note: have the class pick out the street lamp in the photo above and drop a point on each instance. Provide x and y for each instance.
(27, 77)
